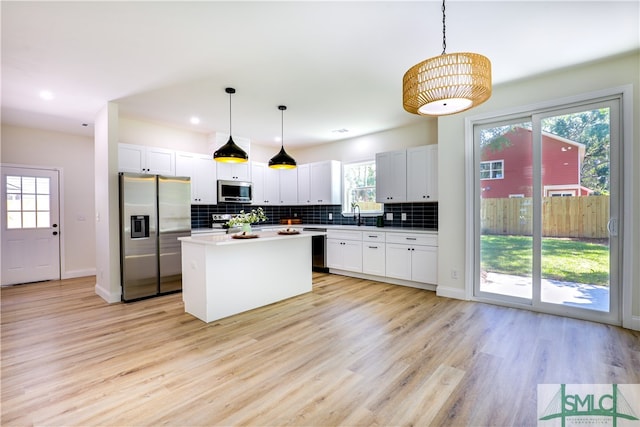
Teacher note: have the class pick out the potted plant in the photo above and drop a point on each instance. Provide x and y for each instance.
(245, 219)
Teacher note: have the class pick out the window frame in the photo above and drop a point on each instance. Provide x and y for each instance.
(346, 209)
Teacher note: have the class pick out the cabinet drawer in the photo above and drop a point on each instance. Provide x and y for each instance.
(344, 235)
(413, 239)
(373, 236)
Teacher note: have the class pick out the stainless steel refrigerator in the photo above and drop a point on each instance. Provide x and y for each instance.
(154, 211)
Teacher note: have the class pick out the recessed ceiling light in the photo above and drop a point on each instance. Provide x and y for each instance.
(46, 95)
(343, 130)
(194, 120)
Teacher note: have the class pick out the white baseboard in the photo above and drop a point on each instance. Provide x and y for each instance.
(78, 273)
(384, 279)
(449, 292)
(633, 324)
(105, 294)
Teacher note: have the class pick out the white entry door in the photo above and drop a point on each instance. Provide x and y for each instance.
(30, 225)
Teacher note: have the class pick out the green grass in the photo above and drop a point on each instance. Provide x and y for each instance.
(562, 259)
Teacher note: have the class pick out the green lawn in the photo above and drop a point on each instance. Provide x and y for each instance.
(562, 259)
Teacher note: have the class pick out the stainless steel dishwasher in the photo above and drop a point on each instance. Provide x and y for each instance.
(318, 250)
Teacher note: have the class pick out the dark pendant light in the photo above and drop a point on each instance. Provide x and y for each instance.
(230, 152)
(282, 160)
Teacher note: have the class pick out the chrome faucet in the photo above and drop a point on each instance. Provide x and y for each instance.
(354, 206)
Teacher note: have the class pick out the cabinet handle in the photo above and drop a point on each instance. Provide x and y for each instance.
(373, 237)
(411, 238)
(373, 247)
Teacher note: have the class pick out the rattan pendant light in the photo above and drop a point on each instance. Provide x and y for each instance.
(282, 160)
(230, 152)
(447, 84)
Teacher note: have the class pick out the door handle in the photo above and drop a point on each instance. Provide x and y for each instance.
(55, 233)
(612, 227)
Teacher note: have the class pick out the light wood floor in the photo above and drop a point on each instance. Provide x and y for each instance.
(352, 352)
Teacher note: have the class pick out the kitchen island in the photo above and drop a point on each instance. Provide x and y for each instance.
(222, 276)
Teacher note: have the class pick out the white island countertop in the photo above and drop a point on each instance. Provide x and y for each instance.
(219, 239)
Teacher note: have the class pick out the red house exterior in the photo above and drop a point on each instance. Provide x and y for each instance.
(507, 172)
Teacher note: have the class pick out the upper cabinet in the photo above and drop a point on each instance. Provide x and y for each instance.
(143, 159)
(201, 168)
(391, 177)
(234, 171)
(273, 186)
(409, 175)
(319, 183)
(422, 174)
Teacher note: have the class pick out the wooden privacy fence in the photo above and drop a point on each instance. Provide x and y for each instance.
(582, 216)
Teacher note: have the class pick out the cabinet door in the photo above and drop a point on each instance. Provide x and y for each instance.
(325, 183)
(186, 166)
(422, 174)
(205, 180)
(398, 263)
(424, 264)
(289, 186)
(304, 184)
(391, 177)
(352, 255)
(234, 171)
(373, 258)
(271, 186)
(160, 161)
(131, 158)
(334, 253)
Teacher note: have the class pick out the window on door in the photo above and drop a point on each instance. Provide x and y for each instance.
(28, 202)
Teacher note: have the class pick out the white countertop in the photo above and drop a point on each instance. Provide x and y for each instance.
(271, 227)
(219, 239)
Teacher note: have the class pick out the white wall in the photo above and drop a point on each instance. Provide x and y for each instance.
(591, 77)
(141, 132)
(424, 132)
(73, 155)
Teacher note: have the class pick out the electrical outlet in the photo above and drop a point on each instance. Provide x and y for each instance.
(454, 274)
(403, 216)
(389, 216)
(330, 216)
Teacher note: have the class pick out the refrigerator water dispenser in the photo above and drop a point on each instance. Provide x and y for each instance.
(139, 226)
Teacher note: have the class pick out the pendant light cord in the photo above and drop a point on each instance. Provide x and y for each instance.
(444, 27)
(230, 133)
(282, 128)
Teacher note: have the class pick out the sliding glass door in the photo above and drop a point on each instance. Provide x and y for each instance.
(548, 211)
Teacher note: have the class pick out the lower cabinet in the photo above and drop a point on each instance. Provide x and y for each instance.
(344, 250)
(406, 256)
(373, 253)
(412, 257)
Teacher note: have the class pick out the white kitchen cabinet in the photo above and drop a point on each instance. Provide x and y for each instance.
(422, 174)
(344, 250)
(412, 257)
(201, 168)
(319, 183)
(288, 186)
(143, 159)
(373, 253)
(273, 186)
(234, 171)
(391, 177)
(304, 184)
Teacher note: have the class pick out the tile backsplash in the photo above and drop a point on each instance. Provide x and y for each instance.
(418, 215)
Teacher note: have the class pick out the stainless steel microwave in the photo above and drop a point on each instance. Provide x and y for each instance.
(234, 191)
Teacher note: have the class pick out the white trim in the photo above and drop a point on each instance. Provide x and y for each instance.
(72, 274)
(110, 297)
(451, 292)
(628, 320)
(384, 279)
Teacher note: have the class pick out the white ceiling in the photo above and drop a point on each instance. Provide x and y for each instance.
(335, 65)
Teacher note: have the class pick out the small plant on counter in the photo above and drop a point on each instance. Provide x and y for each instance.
(256, 215)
